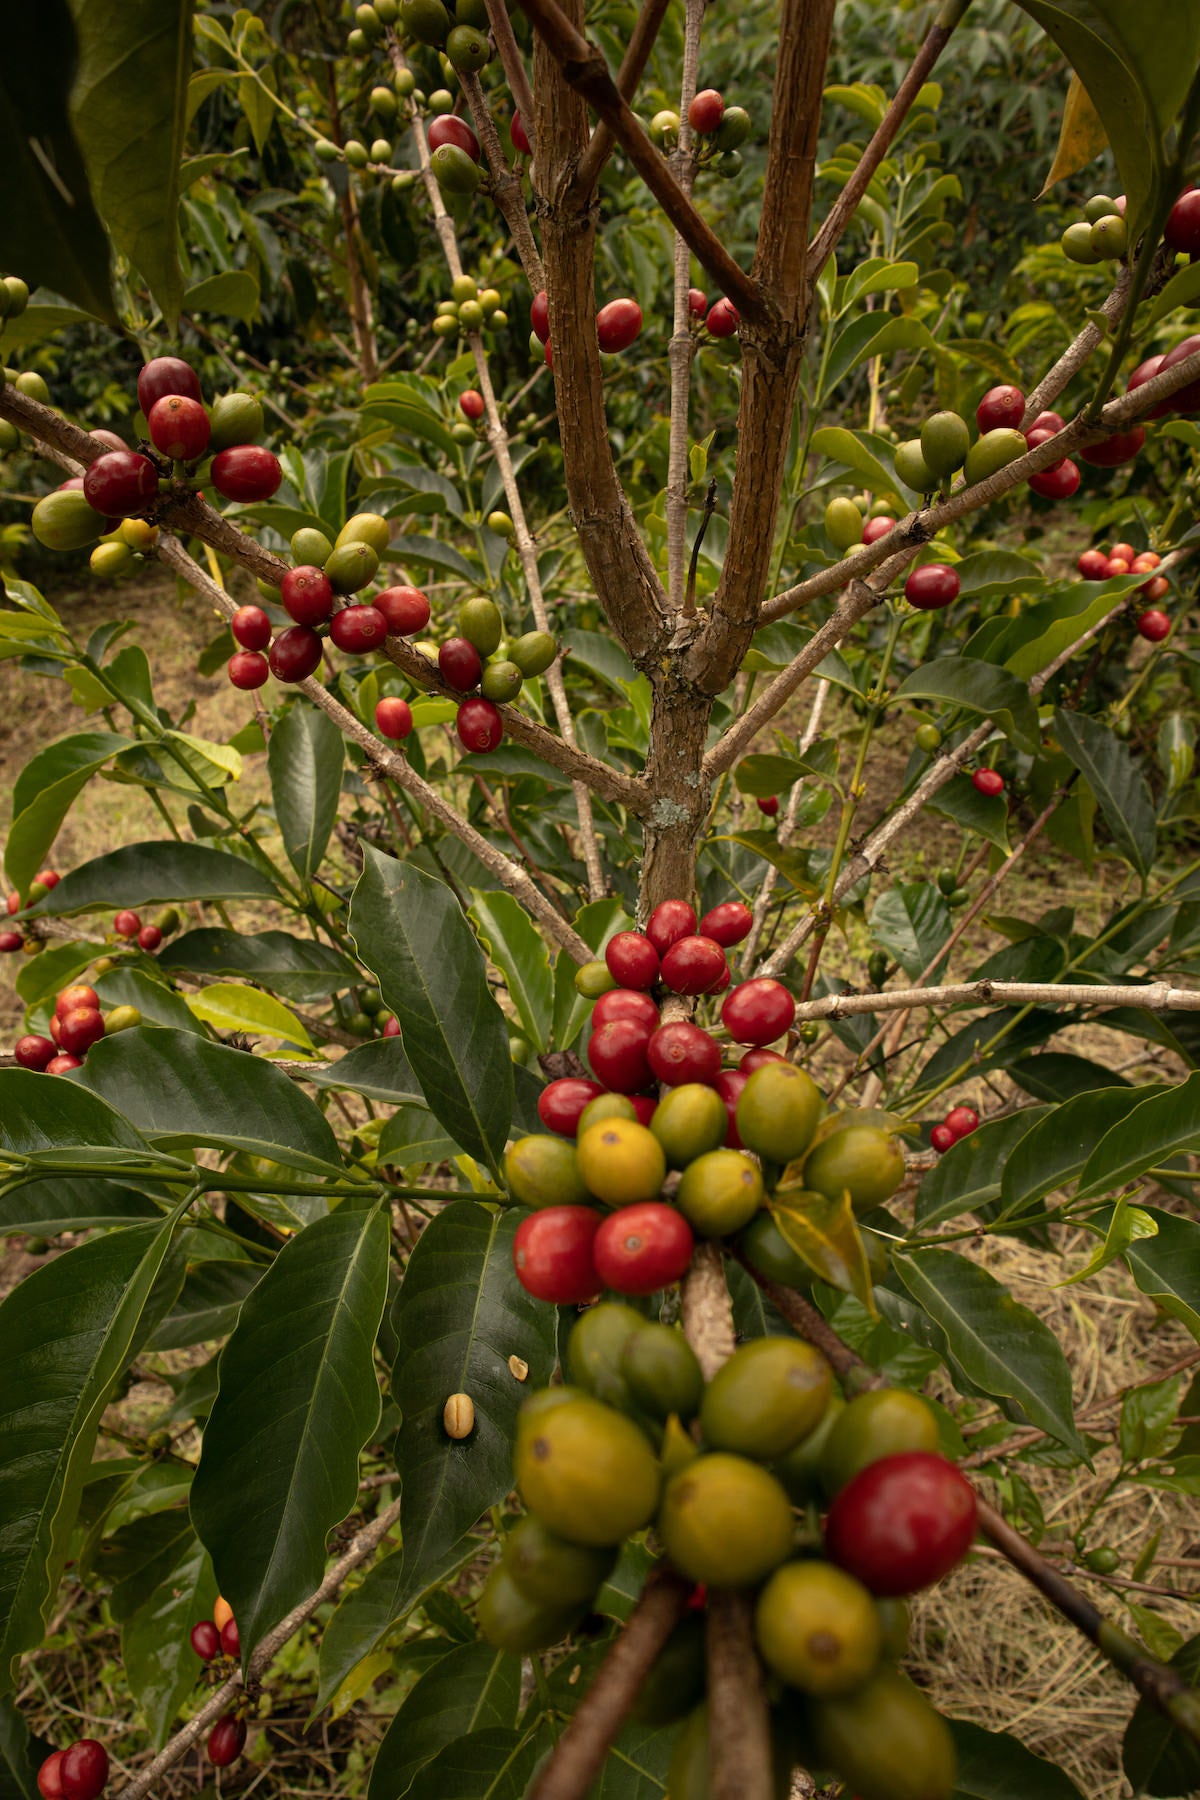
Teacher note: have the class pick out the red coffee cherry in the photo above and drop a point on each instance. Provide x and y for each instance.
(248, 669)
(931, 587)
(179, 427)
(706, 111)
(205, 1639)
(479, 726)
(83, 1770)
(616, 1053)
(768, 804)
(757, 1059)
(644, 1105)
(539, 316)
(723, 318)
(618, 324)
(519, 135)
(1126, 552)
(988, 781)
(642, 1248)
(902, 1523)
(1000, 407)
(942, 1139)
(10, 941)
(694, 965)
(71, 997)
(231, 1642)
(149, 938)
(1058, 482)
(757, 1012)
(251, 627)
(1182, 229)
(393, 717)
(126, 924)
(1049, 421)
(246, 472)
(460, 665)
(727, 924)
(561, 1102)
(49, 1777)
(1093, 565)
(13, 904)
(447, 129)
(682, 1052)
(1111, 452)
(307, 595)
(295, 653)
(226, 1741)
(729, 1084)
(697, 302)
(79, 1029)
(625, 1003)
(119, 483)
(471, 404)
(1154, 626)
(1187, 399)
(61, 1064)
(552, 1254)
(50, 878)
(406, 609)
(632, 960)
(670, 921)
(1146, 371)
(165, 375)
(391, 1028)
(549, 356)
(961, 1120)
(357, 629)
(34, 1052)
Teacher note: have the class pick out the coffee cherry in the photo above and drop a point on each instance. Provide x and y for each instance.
(479, 726)
(561, 1102)
(670, 921)
(471, 404)
(149, 939)
(962, 1120)
(931, 587)
(61, 1065)
(617, 1055)
(539, 317)
(727, 924)
(642, 1248)
(246, 472)
(625, 1003)
(552, 1254)
(1111, 452)
(49, 1777)
(694, 965)
(1000, 407)
(903, 1523)
(226, 1741)
(632, 960)
(126, 924)
(179, 427)
(697, 303)
(251, 627)
(723, 318)
(205, 1639)
(706, 111)
(943, 1138)
(945, 441)
(357, 629)
(10, 942)
(166, 375)
(757, 1012)
(71, 997)
(451, 130)
(231, 1643)
(406, 609)
(248, 669)
(1154, 625)
(768, 804)
(460, 665)
(778, 1112)
(1187, 399)
(618, 324)
(682, 1052)
(1182, 229)
(1093, 565)
(307, 596)
(120, 482)
(1058, 482)
(33, 1052)
(79, 1029)
(927, 737)
(519, 135)
(988, 781)
(83, 1770)
(1124, 552)
(235, 418)
(295, 653)
(393, 717)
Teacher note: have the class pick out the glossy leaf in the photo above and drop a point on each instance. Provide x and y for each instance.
(46, 1207)
(489, 1765)
(382, 1600)
(305, 758)
(1059, 1075)
(43, 794)
(857, 450)
(994, 1766)
(298, 1399)
(154, 873)
(912, 922)
(470, 1689)
(1126, 1226)
(208, 1304)
(460, 1315)
(1158, 1758)
(413, 1135)
(1057, 1150)
(519, 951)
(1118, 784)
(411, 933)
(40, 1115)
(229, 1006)
(970, 1175)
(233, 294)
(42, 976)
(1163, 1125)
(379, 1071)
(1002, 1347)
(157, 1003)
(986, 814)
(991, 1042)
(298, 968)
(1167, 1266)
(156, 1655)
(977, 687)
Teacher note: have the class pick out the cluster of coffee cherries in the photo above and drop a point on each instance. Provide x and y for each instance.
(618, 325)
(958, 1123)
(212, 1638)
(80, 1772)
(13, 940)
(469, 307)
(480, 663)
(1122, 559)
(720, 132)
(75, 1025)
(636, 1441)
(1100, 235)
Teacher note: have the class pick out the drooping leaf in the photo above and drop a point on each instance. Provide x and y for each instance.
(233, 294)
(379, 1071)
(470, 1689)
(1167, 1266)
(1081, 137)
(977, 687)
(152, 874)
(519, 951)
(824, 1233)
(297, 1401)
(38, 1115)
(992, 1765)
(304, 759)
(1125, 1227)
(1118, 784)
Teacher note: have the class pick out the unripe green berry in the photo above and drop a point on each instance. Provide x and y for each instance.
(1077, 245)
(498, 320)
(358, 43)
(387, 11)
(664, 129)
(470, 315)
(404, 81)
(325, 151)
(489, 299)
(383, 104)
(30, 383)
(735, 127)
(464, 287)
(1098, 207)
(928, 738)
(445, 327)
(501, 524)
(1110, 238)
(381, 151)
(441, 101)
(355, 153)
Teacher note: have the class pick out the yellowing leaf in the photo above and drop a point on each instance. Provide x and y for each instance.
(231, 1006)
(1081, 138)
(825, 1234)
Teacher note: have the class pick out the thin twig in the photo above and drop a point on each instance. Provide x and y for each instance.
(683, 342)
(787, 824)
(1156, 997)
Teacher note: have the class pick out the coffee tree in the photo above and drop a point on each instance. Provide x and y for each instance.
(561, 1119)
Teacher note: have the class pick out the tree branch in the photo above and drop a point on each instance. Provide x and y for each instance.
(683, 343)
(1156, 997)
(739, 1728)
(707, 1316)
(512, 62)
(637, 53)
(506, 188)
(787, 825)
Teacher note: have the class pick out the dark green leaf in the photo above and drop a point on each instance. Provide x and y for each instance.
(1056, 1152)
(596, 923)
(52, 969)
(298, 968)
(1059, 1075)
(912, 922)
(40, 1115)
(986, 814)
(994, 1766)
(156, 1655)
(970, 1174)
(158, 1004)
(1158, 1758)
(991, 1042)
(977, 687)
(20, 1753)
(233, 294)
(1141, 1137)
(488, 1765)
(43, 794)
(305, 758)
(519, 951)
(379, 1071)
(992, 572)
(208, 1304)
(413, 1135)
(1167, 1267)
(1118, 784)
(44, 1208)
(382, 1600)
(471, 1689)
(151, 874)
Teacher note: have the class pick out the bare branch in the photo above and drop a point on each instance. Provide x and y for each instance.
(1077, 352)
(1157, 996)
(739, 1728)
(513, 63)
(506, 188)
(637, 53)
(683, 343)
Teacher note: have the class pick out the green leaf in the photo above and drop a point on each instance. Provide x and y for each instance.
(469, 1689)
(1056, 1151)
(855, 450)
(298, 968)
(298, 1400)
(459, 1316)
(1148, 1419)
(1164, 1124)
(233, 294)
(791, 861)
(157, 1658)
(381, 1601)
(49, 227)
(872, 334)
(985, 814)
(43, 795)
(411, 933)
(1157, 1757)
(37, 1115)
(128, 105)
(229, 1006)
(413, 1135)
(596, 923)
(46, 1207)
(992, 572)
(1126, 1226)
(43, 976)
(1117, 782)
(305, 758)
(977, 687)
(20, 1753)
(157, 1004)
(66, 1333)
(1167, 1267)
(519, 951)
(970, 1174)
(912, 922)
(994, 1766)
(1002, 1347)
(151, 874)
(762, 775)
(488, 1765)
(207, 1304)
(379, 1071)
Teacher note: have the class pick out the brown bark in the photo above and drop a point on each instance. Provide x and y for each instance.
(739, 1726)
(678, 792)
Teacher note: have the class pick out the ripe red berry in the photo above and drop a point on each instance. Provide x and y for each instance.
(71, 997)
(119, 483)
(126, 924)
(757, 1059)
(728, 923)
(561, 1102)
(406, 609)
(248, 669)
(49, 1777)
(226, 1741)
(694, 965)
(1186, 399)
(706, 111)
(625, 1003)
(539, 316)
(79, 1029)
(1146, 371)
(681, 1052)
(393, 717)
(479, 726)
(548, 359)
(644, 1105)
(49, 878)
(83, 1770)
(307, 595)
(1093, 565)
(642, 1248)
(931, 587)
(1155, 589)
(768, 804)
(1126, 552)
(616, 1053)
(471, 404)
(1154, 626)
(166, 375)
(618, 324)
(246, 472)
(757, 1012)
(447, 129)
(295, 653)
(33, 1052)
(149, 938)
(205, 1639)
(877, 528)
(670, 921)
(520, 136)
(988, 781)
(1111, 452)
(552, 1254)
(1058, 482)
(10, 941)
(961, 1120)
(902, 1523)
(231, 1642)
(391, 1027)
(357, 629)
(460, 665)
(722, 320)
(632, 960)
(729, 1084)
(61, 1064)
(251, 627)
(179, 427)
(942, 1139)
(1048, 421)
(13, 904)
(1182, 229)
(1000, 407)
(697, 302)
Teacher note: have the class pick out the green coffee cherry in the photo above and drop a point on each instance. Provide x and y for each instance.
(1099, 207)
(470, 315)
(735, 127)
(481, 623)
(728, 164)
(591, 978)
(108, 561)
(1110, 238)
(386, 11)
(121, 1018)
(355, 153)
(945, 441)
(501, 524)
(64, 521)
(928, 738)
(664, 130)
(453, 170)
(446, 326)
(462, 433)
(325, 152)
(10, 437)
(381, 151)
(311, 547)
(993, 451)
(501, 682)
(468, 49)
(958, 898)
(877, 968)
(365, 528)
(426, 20)
(947, 881)
(533, 653)
(843, 524)
(404, 82)
(352, 567)
(463, 287)
(235, 418)
(167, 920)
(16, 296)
(498, 320)
(30, 383)
(441, 101)
(369, 23)
(912, 468)
(1077, 244)
(383, 104)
